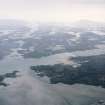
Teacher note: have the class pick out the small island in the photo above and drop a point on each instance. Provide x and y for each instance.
(7, 75)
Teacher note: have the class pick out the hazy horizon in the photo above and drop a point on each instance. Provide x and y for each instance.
(53, 10)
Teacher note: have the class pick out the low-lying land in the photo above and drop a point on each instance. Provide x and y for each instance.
(91, 71)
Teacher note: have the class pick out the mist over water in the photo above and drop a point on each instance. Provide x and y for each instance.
(44, 33)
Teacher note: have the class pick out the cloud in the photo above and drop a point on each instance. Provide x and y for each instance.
(27, 90)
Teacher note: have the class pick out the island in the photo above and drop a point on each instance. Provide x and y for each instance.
(7, 75)
(90, 72)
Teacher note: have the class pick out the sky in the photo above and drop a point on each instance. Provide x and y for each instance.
(53, 10)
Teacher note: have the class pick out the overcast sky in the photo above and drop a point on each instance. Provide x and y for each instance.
(53, 10)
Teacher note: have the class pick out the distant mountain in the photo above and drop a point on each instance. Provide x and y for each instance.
(11, 23)
(87, 24)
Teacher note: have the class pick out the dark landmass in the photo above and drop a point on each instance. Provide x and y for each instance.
(7, 75)
(43, 48)
(100, 102)
(44, 41)
(91, 71)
